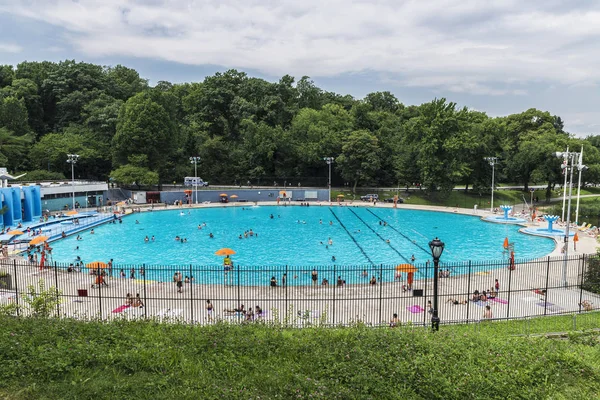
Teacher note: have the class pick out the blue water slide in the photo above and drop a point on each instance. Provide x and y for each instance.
(16, 204)
(7, 200)
(27, 203)
(37, 201)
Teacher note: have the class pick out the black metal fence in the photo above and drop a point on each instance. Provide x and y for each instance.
(299, 296)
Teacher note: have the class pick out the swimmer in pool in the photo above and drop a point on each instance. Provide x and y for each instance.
(146, 239)
(152, 238)
(210, 235)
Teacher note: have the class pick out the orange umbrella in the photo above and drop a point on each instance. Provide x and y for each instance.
(576, 237)
(38, 240)
(73, 212)
(233, 196)
(96, 265)
(406, 268)
(223, 195)
(224, 252)
(506, 242)
(15, 232)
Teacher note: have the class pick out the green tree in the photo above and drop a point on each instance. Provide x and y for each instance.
(133, 175)
(359, 161)
(7, 74)
(144, 127)
(13, 149)
(13, 116)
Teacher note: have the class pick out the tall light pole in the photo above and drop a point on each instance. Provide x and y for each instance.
(580, 168)
(329, 161)
(194, 160)
(72, 158)
(568, 167)
(492, 161)
(437, 248)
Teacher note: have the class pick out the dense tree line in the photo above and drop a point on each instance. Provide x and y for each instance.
(246, 128)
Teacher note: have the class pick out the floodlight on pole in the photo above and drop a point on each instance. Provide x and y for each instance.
(194, 160)
(72, 159)
(493, 161)
(329, 161)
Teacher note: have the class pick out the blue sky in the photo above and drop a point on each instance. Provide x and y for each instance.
(500, 57)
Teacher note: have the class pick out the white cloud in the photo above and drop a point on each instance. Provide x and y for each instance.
(466, 46)
(9, 48)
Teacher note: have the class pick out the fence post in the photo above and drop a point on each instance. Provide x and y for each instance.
(547, 278)
(334, 291)
(238, 286)
(144, 287)
(100, 296)
(191, 295)
(510, 271)
(56, 290)
(425, 290)
(286, 293)
(468, 291)
(16, 287)
(380, 293)
(581, 281)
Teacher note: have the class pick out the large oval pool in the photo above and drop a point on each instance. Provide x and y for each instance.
(315, 236)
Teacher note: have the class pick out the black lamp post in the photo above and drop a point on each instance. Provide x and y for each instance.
(437, 248)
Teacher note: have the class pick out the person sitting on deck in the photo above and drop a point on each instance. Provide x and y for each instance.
(373, 281)
(475, 296)
(483, 296)
(240, 310)
(456, 301)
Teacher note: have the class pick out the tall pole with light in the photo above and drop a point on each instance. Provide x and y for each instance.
(580, 168)
(329, 161)
(194, 160)
(493, 161)
(437, 248)
(72, 158)
(570, 158)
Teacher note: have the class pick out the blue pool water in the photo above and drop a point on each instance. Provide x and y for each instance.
(293, 237)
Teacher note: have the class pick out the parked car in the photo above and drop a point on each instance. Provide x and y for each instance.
(391, 200)
(369, 197)
(194, 181)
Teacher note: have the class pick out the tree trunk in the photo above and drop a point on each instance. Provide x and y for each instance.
(354, 187)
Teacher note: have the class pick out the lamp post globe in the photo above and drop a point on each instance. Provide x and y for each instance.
(437, 248)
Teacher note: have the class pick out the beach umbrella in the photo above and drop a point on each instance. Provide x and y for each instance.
(340, 195)
(73, 212)
(233, 196)
(409, 268)
(223, 195)
(224, 252)
(96, 265)
(15, 232)
(506, 242)
(38, 240)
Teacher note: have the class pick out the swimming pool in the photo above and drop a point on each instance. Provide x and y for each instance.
(295, 236)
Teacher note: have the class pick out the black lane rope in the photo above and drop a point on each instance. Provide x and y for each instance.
(380, 237)
(402, 234)
(352, 237)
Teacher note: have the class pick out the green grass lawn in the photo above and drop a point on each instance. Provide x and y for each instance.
(51, 359)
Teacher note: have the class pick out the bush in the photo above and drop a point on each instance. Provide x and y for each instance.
(591, 278)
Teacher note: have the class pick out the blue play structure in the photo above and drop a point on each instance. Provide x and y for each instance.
(23, 204)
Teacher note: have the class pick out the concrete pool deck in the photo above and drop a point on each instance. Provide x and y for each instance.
(329, 304)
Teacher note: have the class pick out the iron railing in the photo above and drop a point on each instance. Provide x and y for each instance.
(532, 288)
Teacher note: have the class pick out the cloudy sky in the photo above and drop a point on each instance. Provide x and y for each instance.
(500, 57)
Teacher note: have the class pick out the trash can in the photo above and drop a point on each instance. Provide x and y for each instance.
(82, 292)
(417, 292)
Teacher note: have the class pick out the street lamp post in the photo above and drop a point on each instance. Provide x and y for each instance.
(568, 166)
(194, 160)
(437, 248)
(72, 158)
(329, 161)
(492, 161)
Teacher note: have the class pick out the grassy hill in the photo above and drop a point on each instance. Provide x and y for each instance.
(66, 359)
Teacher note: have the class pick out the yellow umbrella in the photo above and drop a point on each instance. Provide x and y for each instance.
(223, 195)
(235, 196)
(97, 265)
(406, 268)
(282, 192)
(224, 252)
(38, 240)
(73, 212)
(121, 203)
(340, 195)
(15, 232)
